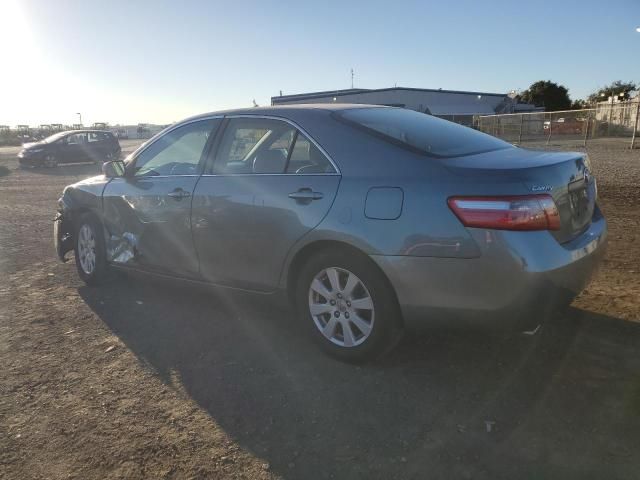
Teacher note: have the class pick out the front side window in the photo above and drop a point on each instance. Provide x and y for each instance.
(77, 139)
(422, 132)
(178, 152)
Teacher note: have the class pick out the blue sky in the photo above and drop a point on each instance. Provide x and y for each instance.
(159, 61)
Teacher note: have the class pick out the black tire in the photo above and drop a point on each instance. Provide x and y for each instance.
(99, 273)
(387, 325)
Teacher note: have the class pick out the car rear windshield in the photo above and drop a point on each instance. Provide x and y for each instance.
(422, 132)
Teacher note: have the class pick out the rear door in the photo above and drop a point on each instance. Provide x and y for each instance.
(148, 212)
(97, 146)
(267, 186)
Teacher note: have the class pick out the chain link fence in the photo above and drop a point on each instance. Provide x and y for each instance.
(616, 121)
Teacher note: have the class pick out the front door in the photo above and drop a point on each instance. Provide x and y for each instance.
(267, 187)
(148, 212)
(73, 148)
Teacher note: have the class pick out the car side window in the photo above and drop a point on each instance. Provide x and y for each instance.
(177, 152)
(257, 145)
(307, 158)
(94, 137)
(76, 139)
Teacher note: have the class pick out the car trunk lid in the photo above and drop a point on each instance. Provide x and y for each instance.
(516, 171)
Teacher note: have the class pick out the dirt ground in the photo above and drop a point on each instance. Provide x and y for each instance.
(161, 380)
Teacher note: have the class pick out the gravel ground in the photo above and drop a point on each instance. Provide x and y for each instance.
(162, 380)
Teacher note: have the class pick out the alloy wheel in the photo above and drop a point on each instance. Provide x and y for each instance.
(87, 249)
(341, 307)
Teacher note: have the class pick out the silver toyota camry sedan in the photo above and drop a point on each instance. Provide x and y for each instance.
(366, 217)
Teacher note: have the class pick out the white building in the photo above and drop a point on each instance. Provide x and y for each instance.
(458, 106)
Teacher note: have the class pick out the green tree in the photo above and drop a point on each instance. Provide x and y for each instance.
(547, 94)
(579, 104)
(614, 89)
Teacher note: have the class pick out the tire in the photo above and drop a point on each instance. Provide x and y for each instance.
(374, 329)
(92, 268)
(50, 161)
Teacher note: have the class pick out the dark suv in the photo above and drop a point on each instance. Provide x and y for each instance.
(69, 147)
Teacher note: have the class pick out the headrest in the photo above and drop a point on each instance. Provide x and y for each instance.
(270, 161)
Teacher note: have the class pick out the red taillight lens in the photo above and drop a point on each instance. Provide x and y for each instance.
(529, 212)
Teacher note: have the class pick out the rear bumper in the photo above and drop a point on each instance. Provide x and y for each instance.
(517, 282)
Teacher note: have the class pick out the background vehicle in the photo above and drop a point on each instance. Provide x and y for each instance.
(564, 125)
(367, 217)
(69, 147)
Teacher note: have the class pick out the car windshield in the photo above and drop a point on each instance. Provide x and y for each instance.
(422, 132)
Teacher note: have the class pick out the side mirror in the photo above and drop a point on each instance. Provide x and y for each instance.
(113, 169)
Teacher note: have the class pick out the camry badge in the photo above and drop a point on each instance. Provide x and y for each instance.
(541, 188)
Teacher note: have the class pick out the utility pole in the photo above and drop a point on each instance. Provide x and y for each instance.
(352, 78)
(80, 115)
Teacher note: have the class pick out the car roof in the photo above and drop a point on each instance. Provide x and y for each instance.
(84, 131)
(282, 110)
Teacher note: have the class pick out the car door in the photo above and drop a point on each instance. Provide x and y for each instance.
(260, 194)
(96, 146)
(148, 212)
(72, 148)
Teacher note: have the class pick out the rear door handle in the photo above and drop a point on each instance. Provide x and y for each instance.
(179, 194)
(305, 195)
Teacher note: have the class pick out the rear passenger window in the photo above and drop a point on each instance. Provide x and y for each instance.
(254, 145)
(307, 158)
(96, 137)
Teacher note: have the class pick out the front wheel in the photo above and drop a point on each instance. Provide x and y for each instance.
(348, 306)
(90, 251)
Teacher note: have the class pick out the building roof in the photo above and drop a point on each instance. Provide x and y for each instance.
(352, 91)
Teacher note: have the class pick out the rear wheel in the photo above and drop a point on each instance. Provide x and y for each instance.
(90, 251)
(50, 161)
(348, 306)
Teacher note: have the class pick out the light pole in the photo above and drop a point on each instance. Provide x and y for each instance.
(80, 115)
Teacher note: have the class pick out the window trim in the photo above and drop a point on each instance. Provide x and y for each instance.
(213, 144)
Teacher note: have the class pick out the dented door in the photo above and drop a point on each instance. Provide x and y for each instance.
(149, 223)
(148, 212)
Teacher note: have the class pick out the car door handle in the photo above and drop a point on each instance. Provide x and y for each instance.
(179, 194)
(305, 195)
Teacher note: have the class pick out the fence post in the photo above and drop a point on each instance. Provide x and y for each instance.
(635, 125)
(550, 127)
(520, 135)
(610, 118)
(586, 131)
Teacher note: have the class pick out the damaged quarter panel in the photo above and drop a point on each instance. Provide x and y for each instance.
(77, 199)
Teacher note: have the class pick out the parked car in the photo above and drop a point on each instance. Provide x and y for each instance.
(71, 146)
(366, 217)
(564, 126)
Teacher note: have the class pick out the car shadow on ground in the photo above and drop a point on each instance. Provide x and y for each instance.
(447, 404)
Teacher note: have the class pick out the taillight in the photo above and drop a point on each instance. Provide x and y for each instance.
(527, 212)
